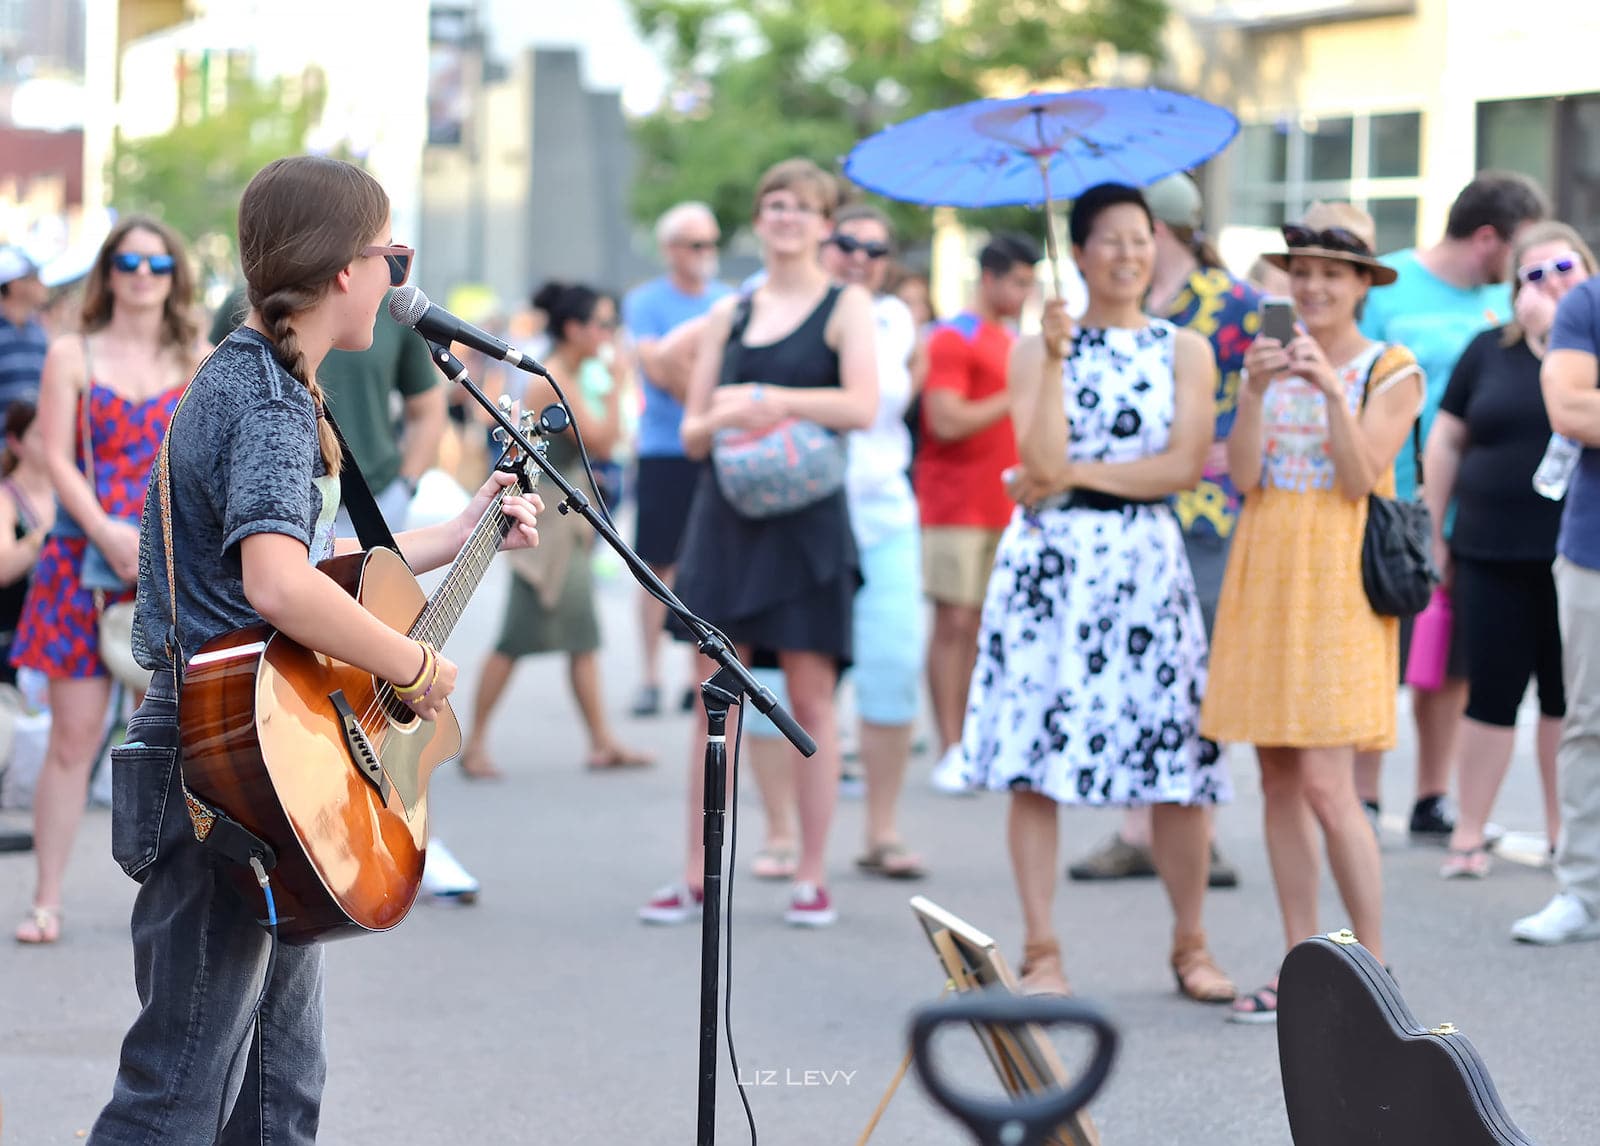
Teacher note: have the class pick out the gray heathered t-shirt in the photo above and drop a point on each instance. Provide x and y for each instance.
(244, 459)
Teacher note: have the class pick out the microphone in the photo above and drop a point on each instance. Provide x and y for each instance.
(410, 307)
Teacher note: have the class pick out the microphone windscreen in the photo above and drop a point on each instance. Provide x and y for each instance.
(407, 305)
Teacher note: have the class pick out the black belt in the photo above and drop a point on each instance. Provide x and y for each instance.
(1094, 499)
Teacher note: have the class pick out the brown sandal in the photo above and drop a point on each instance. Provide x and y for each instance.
(1041, 973)
(1199, 978)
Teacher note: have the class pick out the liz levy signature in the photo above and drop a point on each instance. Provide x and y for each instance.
(790, 1076)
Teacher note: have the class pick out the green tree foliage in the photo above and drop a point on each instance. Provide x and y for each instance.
(192, 177)
(758, 81)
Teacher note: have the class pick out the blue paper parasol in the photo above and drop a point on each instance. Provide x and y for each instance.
(1037, 147)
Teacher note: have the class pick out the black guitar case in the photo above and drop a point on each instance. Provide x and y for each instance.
(1359, 1070)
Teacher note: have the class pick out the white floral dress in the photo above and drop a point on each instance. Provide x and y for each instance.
(1092, 654)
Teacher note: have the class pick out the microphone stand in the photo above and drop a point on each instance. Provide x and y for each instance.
(727, 686)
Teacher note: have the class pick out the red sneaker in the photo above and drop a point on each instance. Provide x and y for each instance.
(809, 906)
(674, 903)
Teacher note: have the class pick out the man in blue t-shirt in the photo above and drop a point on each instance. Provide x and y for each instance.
(1444, 296)
(687, 235)
(1569, 376)
(22, 338)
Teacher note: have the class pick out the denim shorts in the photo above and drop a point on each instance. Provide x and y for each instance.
(889, 621)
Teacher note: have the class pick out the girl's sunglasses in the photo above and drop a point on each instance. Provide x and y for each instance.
(399, 259)
(1535, 272)
(849, 245)
(128, 263)
(1331, 239)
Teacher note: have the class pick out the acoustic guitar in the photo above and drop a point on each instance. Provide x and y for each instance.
(319, 758)
(1359, 1068)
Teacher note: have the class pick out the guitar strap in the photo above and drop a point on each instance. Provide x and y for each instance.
(372, 531)
(212, 826)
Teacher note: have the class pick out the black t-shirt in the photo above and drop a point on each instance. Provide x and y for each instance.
(1499, 517)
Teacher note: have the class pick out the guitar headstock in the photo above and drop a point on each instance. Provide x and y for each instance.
(513, 459)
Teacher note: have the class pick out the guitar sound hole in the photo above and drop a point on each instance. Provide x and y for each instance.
(396, 710)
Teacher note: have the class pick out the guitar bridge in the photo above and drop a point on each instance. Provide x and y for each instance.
(362, 754)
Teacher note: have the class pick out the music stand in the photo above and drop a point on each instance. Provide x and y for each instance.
(1025, 1059)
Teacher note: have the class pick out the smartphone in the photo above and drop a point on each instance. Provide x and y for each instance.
(1277, 319)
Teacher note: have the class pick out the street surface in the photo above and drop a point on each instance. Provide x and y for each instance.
(547, 1014)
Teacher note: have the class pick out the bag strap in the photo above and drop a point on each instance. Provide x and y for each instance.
(85, 428)
(1416, 425)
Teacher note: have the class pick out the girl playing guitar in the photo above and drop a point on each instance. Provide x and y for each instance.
(254, 484)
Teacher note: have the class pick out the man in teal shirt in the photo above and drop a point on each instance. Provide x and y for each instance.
(1445, 295)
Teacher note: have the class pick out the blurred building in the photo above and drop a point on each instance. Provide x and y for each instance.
(1394, 104)
(526, 172)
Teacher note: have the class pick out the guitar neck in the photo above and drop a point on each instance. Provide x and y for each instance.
(443, 611)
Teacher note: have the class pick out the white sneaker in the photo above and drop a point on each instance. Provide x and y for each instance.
(948, 775)
(1564, 920)
(443, 877)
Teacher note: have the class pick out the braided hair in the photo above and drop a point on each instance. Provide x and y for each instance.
(302, 220)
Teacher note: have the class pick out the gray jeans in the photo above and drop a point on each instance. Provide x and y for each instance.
(1578, 760)
(198, 960)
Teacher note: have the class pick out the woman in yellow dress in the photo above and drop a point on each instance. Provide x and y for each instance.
(1301, 667)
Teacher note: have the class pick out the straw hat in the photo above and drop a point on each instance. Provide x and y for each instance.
(1335, 231)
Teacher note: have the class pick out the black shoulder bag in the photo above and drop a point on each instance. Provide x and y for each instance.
(1397, 569)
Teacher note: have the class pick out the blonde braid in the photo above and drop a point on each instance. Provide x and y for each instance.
(277, 310)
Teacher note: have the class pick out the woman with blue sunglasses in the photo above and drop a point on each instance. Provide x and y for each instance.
(1483, 449)
(105, 398)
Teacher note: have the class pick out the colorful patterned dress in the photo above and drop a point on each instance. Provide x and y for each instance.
(1092, 652)
(58, 632)
(1299, 659)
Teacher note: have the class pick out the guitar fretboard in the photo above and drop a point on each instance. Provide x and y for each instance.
(443, 611)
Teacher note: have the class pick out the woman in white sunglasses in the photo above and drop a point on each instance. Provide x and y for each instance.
(1485, 445)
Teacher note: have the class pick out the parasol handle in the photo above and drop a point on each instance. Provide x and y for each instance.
(1052, 251)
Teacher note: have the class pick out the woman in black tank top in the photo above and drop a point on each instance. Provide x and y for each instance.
(779, 587)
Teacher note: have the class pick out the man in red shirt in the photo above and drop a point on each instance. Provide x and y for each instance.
(967, 443)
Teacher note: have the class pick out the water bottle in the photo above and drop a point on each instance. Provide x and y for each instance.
(1555, 468)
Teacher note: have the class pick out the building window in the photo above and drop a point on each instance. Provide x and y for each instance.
(1557, 142)
(1371, 160)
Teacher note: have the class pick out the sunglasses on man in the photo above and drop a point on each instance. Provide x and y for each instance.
(128, 263)
(849, 245)
(1536, 272)
(698, 246)
(399, 259)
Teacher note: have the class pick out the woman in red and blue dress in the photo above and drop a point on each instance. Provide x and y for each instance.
(119, 382)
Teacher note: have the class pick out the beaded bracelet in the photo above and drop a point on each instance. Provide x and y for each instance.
(417, 689)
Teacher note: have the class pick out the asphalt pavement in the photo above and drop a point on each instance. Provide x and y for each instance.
(546, 1013)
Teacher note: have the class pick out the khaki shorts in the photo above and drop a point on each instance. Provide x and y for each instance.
(956, 563)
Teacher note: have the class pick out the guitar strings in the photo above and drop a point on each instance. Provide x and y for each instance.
(473, 559)
(470, 563)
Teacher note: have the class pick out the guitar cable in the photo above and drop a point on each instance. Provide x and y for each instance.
(727, 937)
(583, 450)
(253, 1027)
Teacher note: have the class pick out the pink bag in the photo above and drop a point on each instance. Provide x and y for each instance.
(1430, 643)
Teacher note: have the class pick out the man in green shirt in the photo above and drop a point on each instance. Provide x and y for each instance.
(361, 386)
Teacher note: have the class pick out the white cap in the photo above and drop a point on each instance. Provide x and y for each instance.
(15, 264)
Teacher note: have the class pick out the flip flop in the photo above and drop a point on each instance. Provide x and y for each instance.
(42, 925)
(618, 758)
(892, 861)
(774, 863)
